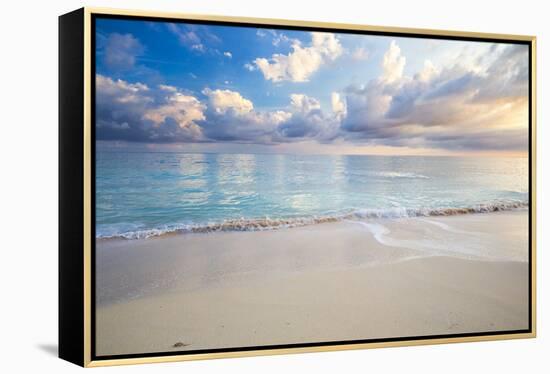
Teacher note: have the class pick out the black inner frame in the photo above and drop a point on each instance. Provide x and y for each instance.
(95, 357)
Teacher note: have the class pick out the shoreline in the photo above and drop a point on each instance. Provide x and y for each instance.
(267, 224)
(333, 281)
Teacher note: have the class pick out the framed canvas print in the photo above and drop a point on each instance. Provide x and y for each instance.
(235, 186)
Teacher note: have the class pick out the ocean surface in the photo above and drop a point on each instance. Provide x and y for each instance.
(139, 195)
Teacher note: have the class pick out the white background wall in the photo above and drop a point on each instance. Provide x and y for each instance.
(28, 183)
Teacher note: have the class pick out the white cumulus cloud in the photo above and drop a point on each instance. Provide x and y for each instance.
(232, 117)
(393, 63)
(121, 91)
(307, 120)
(302, 62)
(137, 112)
(303, 103)
(222, 101)
(463, 105)
(338, 105)
(184, 109)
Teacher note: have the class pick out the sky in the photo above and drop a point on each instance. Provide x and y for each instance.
(207, 88)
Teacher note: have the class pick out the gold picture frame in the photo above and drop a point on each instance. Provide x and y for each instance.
(76, 269)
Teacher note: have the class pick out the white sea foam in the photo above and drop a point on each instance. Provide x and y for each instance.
(394, 174)
(259, 224)
(378, 231)
(444, 226)
(423, 246)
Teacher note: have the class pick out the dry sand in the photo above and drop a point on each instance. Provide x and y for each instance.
(327, 282)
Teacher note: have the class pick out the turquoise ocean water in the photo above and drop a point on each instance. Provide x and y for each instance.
(140, 195)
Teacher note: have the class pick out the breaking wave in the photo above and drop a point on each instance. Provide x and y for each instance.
(261, 224)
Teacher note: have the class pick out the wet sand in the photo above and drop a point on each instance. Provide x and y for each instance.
(325, 282)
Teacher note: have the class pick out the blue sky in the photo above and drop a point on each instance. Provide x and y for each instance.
(191, 87)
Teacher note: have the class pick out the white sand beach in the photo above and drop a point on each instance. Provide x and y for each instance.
(326, 282)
